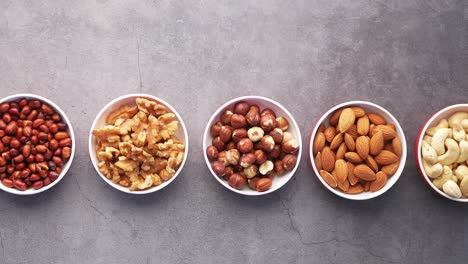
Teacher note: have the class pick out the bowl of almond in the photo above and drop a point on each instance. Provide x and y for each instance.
(358, 150)
(138, 143)
(252, 145)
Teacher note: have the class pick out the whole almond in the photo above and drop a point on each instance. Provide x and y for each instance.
(328, 159)
(367, 186)
(396, 144)
(358, 111)
(344, 185)
(353, 131)
(321, 128)
(335, 117)
(356, 189)
(350, 144)
(341, 169)
(363, 172)
(391, 168)
(353, 157)
(336, 142)
(379, 182)
(376, 143)
(318, 161)
(346, 120)
(388, 132)
(372, 164)
(376, 119)
(353, 180)
(386, 157)
(328, 178)
(362, 146)
(319, 143)
(363, 126)
(341, 151)
(329, 133)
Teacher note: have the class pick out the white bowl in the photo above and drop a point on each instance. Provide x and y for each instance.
(262, 102)
(100, 121)
(66, 166)
(433, 121)
(370, 108)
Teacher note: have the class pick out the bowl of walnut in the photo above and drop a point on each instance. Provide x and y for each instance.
(138, 143)
(252, 145)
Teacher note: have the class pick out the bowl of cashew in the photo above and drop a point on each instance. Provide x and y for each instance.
(442, 152)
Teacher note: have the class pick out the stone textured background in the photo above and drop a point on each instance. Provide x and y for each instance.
(409, 56)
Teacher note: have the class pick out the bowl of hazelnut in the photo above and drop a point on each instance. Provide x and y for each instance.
(138, 143)
(37, 144)
(252, 145)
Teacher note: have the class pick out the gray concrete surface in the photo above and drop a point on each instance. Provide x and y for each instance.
(409, 56)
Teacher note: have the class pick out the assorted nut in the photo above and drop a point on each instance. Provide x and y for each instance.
(138, 148)
(34, 144)
(444, 152)
(250, 146)
(357, 152)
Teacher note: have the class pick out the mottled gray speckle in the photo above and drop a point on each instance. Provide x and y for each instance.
(410, 56)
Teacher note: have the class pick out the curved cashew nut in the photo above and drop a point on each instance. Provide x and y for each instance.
(461, 172)
(464, 124)
(463, 151)
(438, 140)
(458, 134)
(442, 124)
(451, 189)
(464, 186)
(452, 154)
(446, 175)
(433, 171)
(456, 119)
(428, 153)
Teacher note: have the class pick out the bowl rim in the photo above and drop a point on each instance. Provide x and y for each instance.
(71, 132)
(91, 139)
(403, 157)
(291, 120)
(418, 152)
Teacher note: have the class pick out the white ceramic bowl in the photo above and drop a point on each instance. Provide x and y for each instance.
(17, 97)
(433, 121)
(262, 102)
(100, 121)
(370, 108)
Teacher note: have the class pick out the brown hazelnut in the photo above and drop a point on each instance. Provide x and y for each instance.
(290, 146)
(279, 168)
(267, 122)
(228, 172)
(247, 160)
(223, 158)
(241, 108)
(245, 145)
(266, 167)
(275, 153)
(218, 143)
(268, 111)
(263, 184)
(267, 143)
(277, 135)
(251, 171)
(253, 116)
(239, 134)
(231, 145)
(282, 123)
(287, 136)
(236, 181)
(233, 156)
(255, 133)
(226, 117)
(212, 152)
(225, 133)
(253, 183)
(260, 156)
(289, 161)
(238, 121)
(218, 168)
